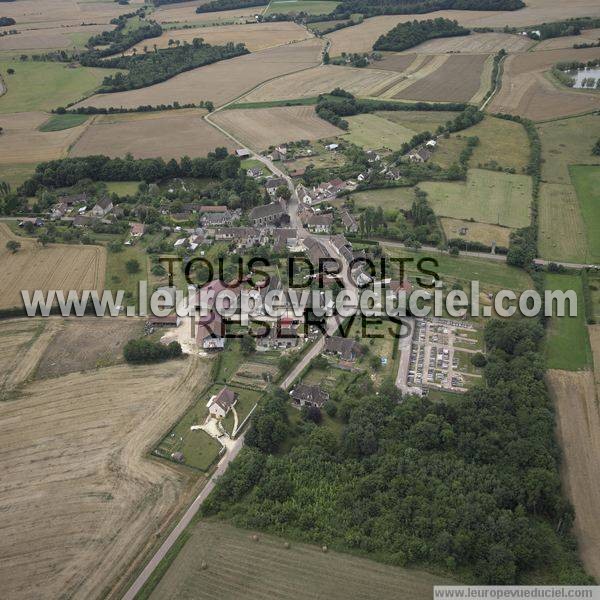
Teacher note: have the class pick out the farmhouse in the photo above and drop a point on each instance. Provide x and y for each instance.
(420, 155)
(267, 214)
(320, 223)
(220, 404)
(102, 207)
(309, 395)
(344, 348)
(35, 221)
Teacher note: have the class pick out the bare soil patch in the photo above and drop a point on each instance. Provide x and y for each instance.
(80, 499)
(220, 82)
(261, 128)
(323, 79)
(458, 81)
(23, 143)
(86, 344)
(578, 416)
(57, 267)
(170, 134)
(256, 36)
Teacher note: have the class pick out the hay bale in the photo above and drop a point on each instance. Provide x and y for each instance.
(204, 565)
(286, 545)
(255, 538)
(324, 549)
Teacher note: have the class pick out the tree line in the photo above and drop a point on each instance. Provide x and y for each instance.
(142, 351)
(413, 33)
(217, 5)
(470, 487)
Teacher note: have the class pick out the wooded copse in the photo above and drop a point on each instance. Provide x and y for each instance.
(217, 5)
(413, 33)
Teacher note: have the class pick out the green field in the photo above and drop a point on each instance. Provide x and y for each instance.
(487, 196)
(492, 274)
(373, 132)
(266, 568)
(46, 85)
(567, 341)
(122, 188)
(117, 276)
(395, 198)
(562, 234)
(60, 122)
(568, 142)
(586, 180)
(16, 174)
(312, 7)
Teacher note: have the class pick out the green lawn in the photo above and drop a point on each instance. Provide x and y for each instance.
(586, 180)
(122, 188)
(487, 197)
(567, 342)
(46, 85)
(117, 276)
(312, 7)
(396, 198)
(247, 400)
(372, 132)
(60, 122)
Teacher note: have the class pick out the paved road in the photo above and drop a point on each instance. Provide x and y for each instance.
(230, 454)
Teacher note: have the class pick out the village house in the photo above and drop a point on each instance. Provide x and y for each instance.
(208, 208)
(245, 237)
(344, 348)
(73, 199)
(82, 221)
(242, 152)
(217, 219)
(220, 404)
(267, 214)
(102, 207)
(373, 156)
(136, 230)
(59, 210)
(309, 395)
(255, 173)
(281, 337)
(284, 239)
(35, 221)
(320, 223)
(419, 155)
(348, 221)
(280, 153)
(210, 334)
(317, 254)
(273, 183)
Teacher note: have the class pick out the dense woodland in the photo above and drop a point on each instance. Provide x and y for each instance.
(407, 35)
(159, 65)
(217, 5)
(470, 486)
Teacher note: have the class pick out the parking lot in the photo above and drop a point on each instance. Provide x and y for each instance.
(440, 356)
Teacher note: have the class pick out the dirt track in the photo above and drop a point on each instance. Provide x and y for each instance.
(80, 500)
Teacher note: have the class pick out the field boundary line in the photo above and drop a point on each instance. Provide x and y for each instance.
(498, 85)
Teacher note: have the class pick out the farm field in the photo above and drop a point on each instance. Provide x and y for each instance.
(49, 38)
(23, 142)
(109, 499)
(312, 7)
(586, 181)
(256, 36)
(266, 569)
(323, 79)
(475, 43)
(457, 81)
(86, 344)
(62, 122)
(487, 197)
(562, 234)
(264, 127)
(394, 61)
(58, 266)
(528, 91)
(567, 142)
(39, 86)
(394, 198)
(185, 12)
(586, 36)
(578, 417)
(418, 121)
(567, 340)
(220, 82)
(476, 232)
(372, 131)
(423, 66)
(170, 134)
(502, 143)
(16, 173)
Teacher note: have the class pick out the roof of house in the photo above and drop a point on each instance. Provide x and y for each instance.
(275, 182)
(104, 203)
(211, 209)
(210, 326)
(345, 347)
(137, 228)
(310, 393)
(266, 210)
(347, 219)
(325, 220)
(225, 399)
(73, 198)
(340, 241)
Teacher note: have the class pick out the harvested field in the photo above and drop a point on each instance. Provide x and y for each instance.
(587, 36)
(567, 142)
(22, 142)
(323, 79)
(170, 134)
(457, 81)
(58, 266)
(88, 343)
(264, 127)
(256, 36)
(82, 441)
(578, 417)
(476, 232)
(487, 197)
(251, 570)
(527, 89)
(393, 62)
(562, 232)
(476, 43)
(423, 66)
(220, 82)
(48, 39)
(501, 143)
(185, 12)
